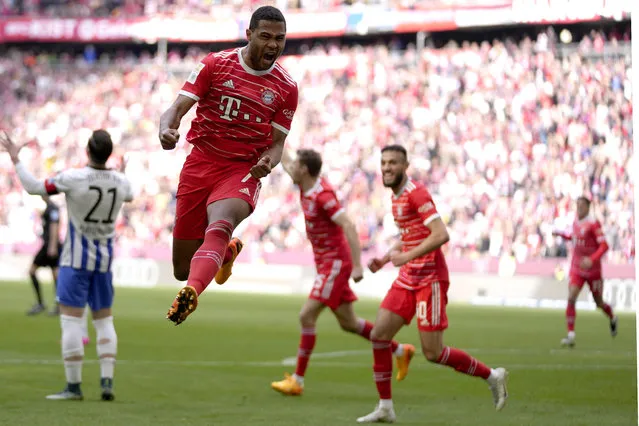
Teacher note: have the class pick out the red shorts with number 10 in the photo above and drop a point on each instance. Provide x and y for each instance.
(205, 179)
(428, 302)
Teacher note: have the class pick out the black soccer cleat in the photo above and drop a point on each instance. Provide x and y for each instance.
(613, 326)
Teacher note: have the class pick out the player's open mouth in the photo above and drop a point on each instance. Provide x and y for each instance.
(270, 56)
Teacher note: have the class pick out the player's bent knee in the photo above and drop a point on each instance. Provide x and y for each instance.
(379, 334)
(349, 327)
(431, 355)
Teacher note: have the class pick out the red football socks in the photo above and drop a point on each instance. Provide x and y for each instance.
(462, 362)
(571, 313)
(209, 257)
(608, 310)
(307, 343)
(383, 367)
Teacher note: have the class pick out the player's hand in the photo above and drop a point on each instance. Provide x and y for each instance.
(10, 146)
(123, 163)
(169, 138)
(399, 258)
(375, 265)
(358, 273)
(52, 251)
(586, 263)
(262, 168)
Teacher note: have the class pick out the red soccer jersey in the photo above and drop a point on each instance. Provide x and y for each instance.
(237, 106)
(413, 209)
(321, 206)
(587, 236)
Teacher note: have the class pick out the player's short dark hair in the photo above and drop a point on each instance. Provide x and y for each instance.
(585, 199)
(100, 146)
(396, 148)
(311, 159)
(266, 13)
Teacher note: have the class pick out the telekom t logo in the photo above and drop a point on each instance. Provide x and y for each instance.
(231, 108)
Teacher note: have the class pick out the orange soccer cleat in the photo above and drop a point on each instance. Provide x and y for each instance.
(184, 304)
(227, 269)
(403, 361)
(288, 386)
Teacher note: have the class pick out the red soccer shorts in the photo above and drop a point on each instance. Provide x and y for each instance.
(331, 285)
(205, 179)
(595, 283)
(428, 302)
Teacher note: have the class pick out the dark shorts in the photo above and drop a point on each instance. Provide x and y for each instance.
(42, 259)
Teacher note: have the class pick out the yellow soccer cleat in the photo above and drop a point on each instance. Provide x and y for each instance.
(288, 386)
(184, 304)
(227, 269)
(403, 361)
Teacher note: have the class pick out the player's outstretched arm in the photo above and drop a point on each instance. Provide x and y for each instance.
(170, 121)
(437, 238)
(29, 183)
(564, 235)
(350, 231)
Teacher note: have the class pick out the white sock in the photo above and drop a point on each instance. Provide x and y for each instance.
(72, 347)
(106, 345)
(400, 350)
(73, 371)
(571, 334)
(85, 323)
(386, 403)
(299, 379)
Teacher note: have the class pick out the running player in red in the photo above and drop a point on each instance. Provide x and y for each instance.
(246, 102)
(589, 246)
(421, 288)
(337, 258)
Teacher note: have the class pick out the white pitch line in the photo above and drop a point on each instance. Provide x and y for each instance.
(290, 361)
(321, 364)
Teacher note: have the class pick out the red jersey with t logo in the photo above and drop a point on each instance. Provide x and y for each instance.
(587, 236)
(238, 106)
(321, 206)
(413, 209)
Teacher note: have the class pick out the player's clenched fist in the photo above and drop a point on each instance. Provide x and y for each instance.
(375, 265)
(262, 168)
(358, 274)
(169, 138)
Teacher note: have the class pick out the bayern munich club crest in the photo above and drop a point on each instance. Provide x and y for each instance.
(268, 97)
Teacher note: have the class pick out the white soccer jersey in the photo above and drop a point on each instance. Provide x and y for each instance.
(94, 200)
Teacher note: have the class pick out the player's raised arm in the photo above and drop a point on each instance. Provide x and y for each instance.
(196, 86)
(29, 183)
(564, 235)
(170, 121)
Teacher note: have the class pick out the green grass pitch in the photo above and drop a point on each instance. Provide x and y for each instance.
(216, 368)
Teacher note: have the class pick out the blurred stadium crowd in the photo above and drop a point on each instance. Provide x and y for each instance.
(133, 8)
(505, 134)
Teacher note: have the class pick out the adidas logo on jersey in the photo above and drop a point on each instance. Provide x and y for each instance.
(245, 191)
(229, 84)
